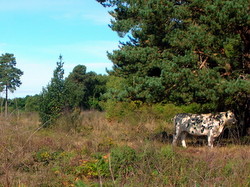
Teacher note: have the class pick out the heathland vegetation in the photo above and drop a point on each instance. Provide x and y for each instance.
(88, 149)
(116, 129)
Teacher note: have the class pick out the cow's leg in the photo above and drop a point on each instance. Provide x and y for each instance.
(176, 136)
(183, 137)
(210, 140)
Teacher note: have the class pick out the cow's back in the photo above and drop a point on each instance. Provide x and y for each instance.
(178, 119)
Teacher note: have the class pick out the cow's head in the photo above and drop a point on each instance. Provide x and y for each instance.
(230, 117)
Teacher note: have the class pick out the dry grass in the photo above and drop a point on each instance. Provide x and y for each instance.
(59, 156)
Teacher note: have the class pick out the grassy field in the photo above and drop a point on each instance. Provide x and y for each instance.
(89, 150)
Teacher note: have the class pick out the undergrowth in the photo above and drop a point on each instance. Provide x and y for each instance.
(87, 149)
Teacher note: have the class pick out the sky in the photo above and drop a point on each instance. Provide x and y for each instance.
(38, 31)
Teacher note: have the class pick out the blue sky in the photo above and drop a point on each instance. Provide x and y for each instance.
(38, 31)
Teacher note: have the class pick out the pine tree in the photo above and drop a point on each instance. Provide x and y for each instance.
(184, 52)
(52, 97)
(9, 76)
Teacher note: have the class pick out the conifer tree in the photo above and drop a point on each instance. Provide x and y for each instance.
(52, 97)
(9, 76)
(184, 52)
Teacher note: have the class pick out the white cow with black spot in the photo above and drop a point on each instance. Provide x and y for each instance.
(210, 125)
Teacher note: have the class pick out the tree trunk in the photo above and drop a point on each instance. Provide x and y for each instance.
(6, 101)
(245, 36)
(242, 110)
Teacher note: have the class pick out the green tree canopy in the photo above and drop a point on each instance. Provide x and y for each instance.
(184, 51)
(32, 103)
(83, 89)
(9, 75)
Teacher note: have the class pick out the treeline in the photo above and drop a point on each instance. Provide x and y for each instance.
(79, 90)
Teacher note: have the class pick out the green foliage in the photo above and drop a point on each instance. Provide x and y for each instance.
(28, 103)
(80, 183)
(137, 111)
(115, 88)
(17, 104)
(32, 103)
(80, 90)
(84, 89)
(52, 100)
(183, 52)
(123, 161)
(45, 156)
(73, 159)
(164, 111)
(95, 167)
(147, 165)
(167, 152)
(119, 110)
(9, 74)
(228, 168)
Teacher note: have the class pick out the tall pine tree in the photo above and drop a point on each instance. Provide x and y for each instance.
(9, 76)
(184, 52)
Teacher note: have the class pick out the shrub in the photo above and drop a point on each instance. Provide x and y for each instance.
(165, 111)
(167, 152)
(129, 110)
(46, 156)
(123, 161)
(119, 110)
(96, 166)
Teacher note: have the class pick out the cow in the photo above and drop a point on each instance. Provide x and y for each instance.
(210, 125)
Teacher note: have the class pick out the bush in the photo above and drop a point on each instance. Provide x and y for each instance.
(95, 167)
(119, 110)
(46, 156)
(167, 152)
(165, 112)
(157, 117)
(32, 103)
(123, 161)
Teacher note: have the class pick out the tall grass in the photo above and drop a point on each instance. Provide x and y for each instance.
(88, 149)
